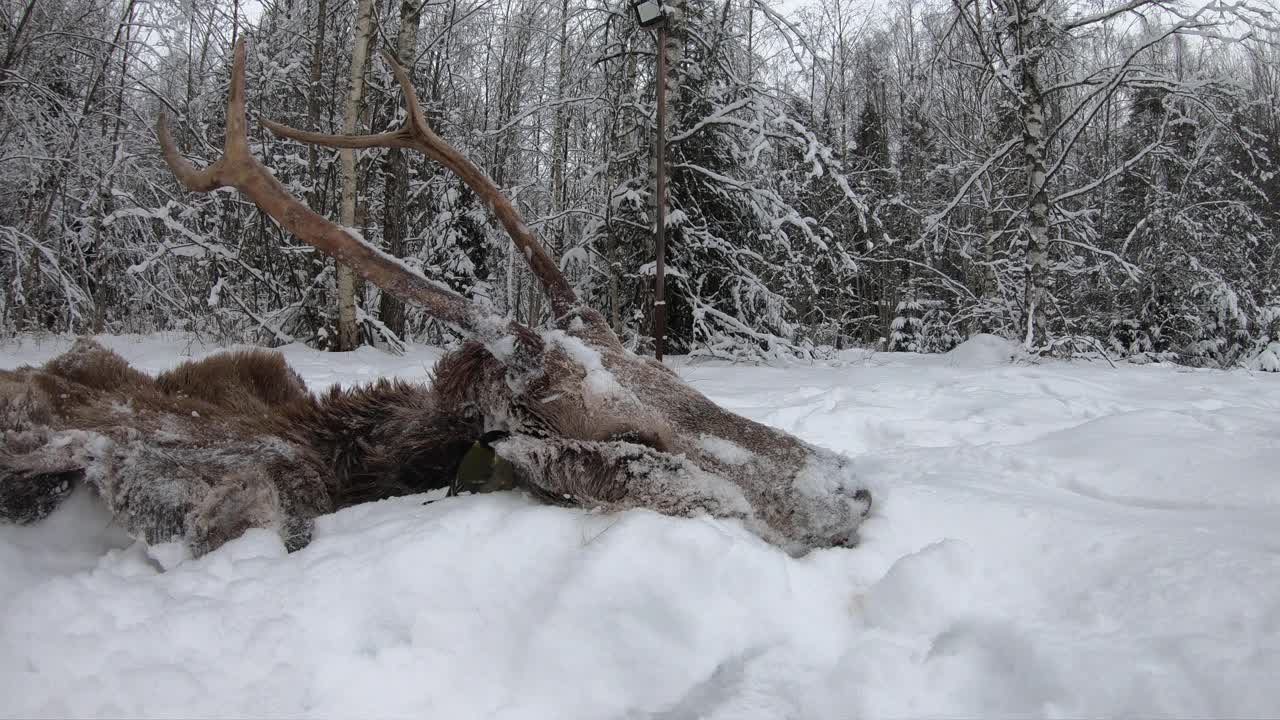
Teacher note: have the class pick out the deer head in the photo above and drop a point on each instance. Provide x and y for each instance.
(587, 421)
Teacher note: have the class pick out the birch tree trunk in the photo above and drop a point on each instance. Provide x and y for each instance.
(396, 169)
(676, 33)
(348, 330)
(1030, 35)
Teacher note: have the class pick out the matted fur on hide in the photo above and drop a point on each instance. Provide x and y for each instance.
(212, 448)
(235, 441)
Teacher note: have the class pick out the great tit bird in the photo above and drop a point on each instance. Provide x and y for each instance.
(482, 470)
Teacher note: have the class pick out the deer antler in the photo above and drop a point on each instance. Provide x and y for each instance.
(415, 134)
(238, 168)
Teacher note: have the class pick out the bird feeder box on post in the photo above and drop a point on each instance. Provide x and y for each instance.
(648, 12)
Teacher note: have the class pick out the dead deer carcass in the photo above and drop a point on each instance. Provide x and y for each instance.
(585, 421)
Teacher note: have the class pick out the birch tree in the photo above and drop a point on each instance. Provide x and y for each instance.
(348, 327)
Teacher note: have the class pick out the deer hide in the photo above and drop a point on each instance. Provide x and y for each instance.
(591, 423)
(212, 448)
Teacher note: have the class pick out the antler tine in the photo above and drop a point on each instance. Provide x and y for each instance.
(236, 145)
(355, 142)
(239, 169)
(400, 138)
(187, 174)
(416, 120)
(564, 301)
(417, 135)
(235, 148)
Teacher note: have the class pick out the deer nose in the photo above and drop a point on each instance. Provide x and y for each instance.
(861, 497)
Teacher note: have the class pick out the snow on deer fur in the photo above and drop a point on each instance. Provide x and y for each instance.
(208, 450)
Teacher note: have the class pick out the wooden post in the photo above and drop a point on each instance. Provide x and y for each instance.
(659, 295)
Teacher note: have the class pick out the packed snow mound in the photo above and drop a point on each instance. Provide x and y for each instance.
(1050, 540)
(467, 607)
(1268, 360)
(983, 350)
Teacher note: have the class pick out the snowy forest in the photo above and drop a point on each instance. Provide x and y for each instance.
(1080, 177)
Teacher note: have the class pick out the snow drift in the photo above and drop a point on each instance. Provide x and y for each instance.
(1061, 539)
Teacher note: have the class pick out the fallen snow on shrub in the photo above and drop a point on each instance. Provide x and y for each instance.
(982, 351)
(1059, 539)
(1268, 360)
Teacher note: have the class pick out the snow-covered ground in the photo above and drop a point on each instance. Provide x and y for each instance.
(1059, 539)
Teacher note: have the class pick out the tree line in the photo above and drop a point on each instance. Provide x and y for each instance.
(1083, 177)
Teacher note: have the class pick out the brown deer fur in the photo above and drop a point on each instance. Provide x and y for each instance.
(213, 447)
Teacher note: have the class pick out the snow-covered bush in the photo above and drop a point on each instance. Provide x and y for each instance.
(1268, 360)
(907, 329)
(924, 326)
